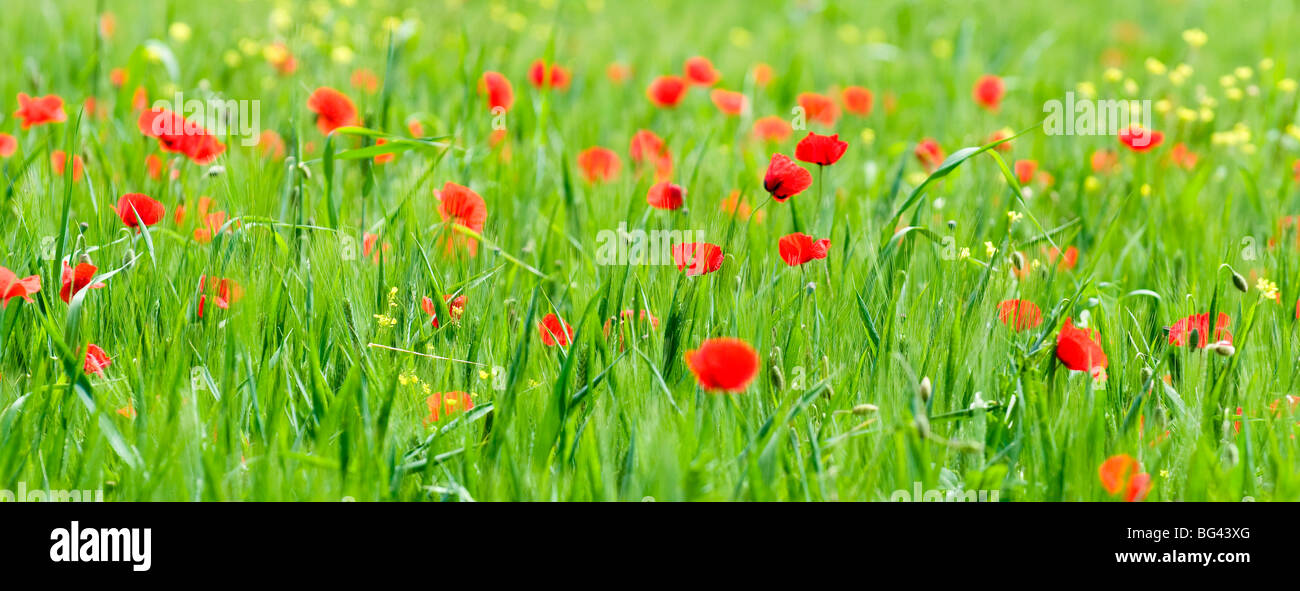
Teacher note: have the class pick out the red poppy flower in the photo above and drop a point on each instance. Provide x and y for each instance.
(1139, 139)
(1078, 349)
(117, 77)
(543, 76)
(228, 292)
(414, 127)
(763, 74)
(665, 195)
(697, 258)
(699, 70)
(211, 224)
(785, 178)
(819, 108)
(1025, 171)
(666, 91)
(1019, 314)
(463, 207)
(131, 205)
(8, 145)
(59, 162)
(555, 331)
(646, 147)
(75, 280)
(988, 92)
(96, 360)
(384, 158)
(333, 109)
(1122, 473)
(728, 101)
(39, 111)
(271, 145)
(365, 80)
(799, 248)
(735, 207)
(824, 150)
(598, 165)
(445, 404)
(455, 307)
(1000, 135)
(857, 100)
(723, 364)
(772, 129)
(176, 134)
(1180, 333)
(278, 55)
(370, 248)
(1295, 170)
(12, 287)
(1104, 161)
(1070, 261)
(1182, 157)
(929, 153)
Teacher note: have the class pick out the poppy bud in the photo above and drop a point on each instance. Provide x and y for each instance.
(1147, 373)
(83, 226)
(774, 369)
(1223, 348)
(922, 424)
(128, 259)
(1018, 259)
(1240, 282)
(85, 258)
(925, 389)
(952, 224)
(863, 409)
(811, 287)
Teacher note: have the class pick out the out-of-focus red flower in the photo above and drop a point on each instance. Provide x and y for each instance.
(139, 99)
(728, 101)
(699, 70)
(598, 165)
(455, 307)
(458, 205)
(697, 258)
(999, 135)
(107, 25)
(278, 55)
(763, 74)
(149, 210)
(154, 166)
(857, 100)
(645, 319)
(618, 73)
(117, 77)
(1121, 473)
(209, 225)
(500, 94)
(723, 364)
(271, 145)
(39, 110)
(445, 404)
(1140, 139)
(1104, 161)
(1019, 314)
(370, 248)
(555, 331)
(1181, 332)
(819, 108)
(772, 129)
(365, 80)
(1295, 170)
(1078, 349)
(739, 209)
(799, 248)
(333, 109)
(665, 195)
(544, 76)
(929, 153)
(59, 162)
(988, 91)
(666, 91)
(415, 128)
(8, 145)
(823, 150)
(96, 360)
(75, 280)
(1070, 261)
(1182, 157)
(12, 287)
(1025, 170)
(176, 134)
(785, 178)
(646, 147)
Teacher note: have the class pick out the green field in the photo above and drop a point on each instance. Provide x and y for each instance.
(312, 371)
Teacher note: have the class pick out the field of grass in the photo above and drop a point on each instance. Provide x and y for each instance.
(311, 371)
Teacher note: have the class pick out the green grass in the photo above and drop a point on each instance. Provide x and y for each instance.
(296, 392)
